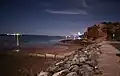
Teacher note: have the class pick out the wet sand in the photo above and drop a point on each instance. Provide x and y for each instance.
(19, 64)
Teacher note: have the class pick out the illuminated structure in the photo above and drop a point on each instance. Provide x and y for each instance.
(74, 36)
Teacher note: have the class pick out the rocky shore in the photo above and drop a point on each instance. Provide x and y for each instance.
(85, 61)
(82, 62)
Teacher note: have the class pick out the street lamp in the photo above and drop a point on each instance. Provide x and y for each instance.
(113, 36)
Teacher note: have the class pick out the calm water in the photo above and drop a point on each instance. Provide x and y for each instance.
(28, 40)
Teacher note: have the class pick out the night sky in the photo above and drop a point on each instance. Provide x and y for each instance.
(55, 17)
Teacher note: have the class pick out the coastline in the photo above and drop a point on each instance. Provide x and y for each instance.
(22, 63)
(82, 62)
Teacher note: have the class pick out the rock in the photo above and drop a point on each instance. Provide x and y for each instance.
(74, 68)
(92, 63)
(66, 59)
(82, 62)
(69, 58)
(86, 71)
(85, 51)
(53, 69)
(67, 65)
(68, 62)
(61, 73)
(60, 68)
(72, 74)
(82, 59)
(89, 68)
(75, 60)
(97, 71)
(43, 73)
(61, 63)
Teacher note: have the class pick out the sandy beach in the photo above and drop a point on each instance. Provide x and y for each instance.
(19, 64)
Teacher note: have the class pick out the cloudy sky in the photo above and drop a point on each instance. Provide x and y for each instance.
(55, 17)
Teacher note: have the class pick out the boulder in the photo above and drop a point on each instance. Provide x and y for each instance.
(74, 68)
(86, 70)
(43, 73)
(75, 60)
(61, 73)
(53, 69)
(92, 63)
(61, 63)
(72, 74)
(67, 65)
(82, 59)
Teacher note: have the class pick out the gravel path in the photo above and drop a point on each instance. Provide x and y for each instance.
(108, 61)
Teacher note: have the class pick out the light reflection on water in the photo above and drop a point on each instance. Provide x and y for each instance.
(28, 41)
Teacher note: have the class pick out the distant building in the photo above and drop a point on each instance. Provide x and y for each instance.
(74, 36)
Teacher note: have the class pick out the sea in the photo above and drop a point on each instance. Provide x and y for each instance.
(10, 41)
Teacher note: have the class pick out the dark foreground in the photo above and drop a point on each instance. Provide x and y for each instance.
(22, 65)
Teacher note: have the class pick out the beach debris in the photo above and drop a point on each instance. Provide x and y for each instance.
(83, 62)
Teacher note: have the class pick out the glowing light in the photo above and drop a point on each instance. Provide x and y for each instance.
(17, 50)
(8, 34)
(17, 34)
(79, 33)
(14, 34)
